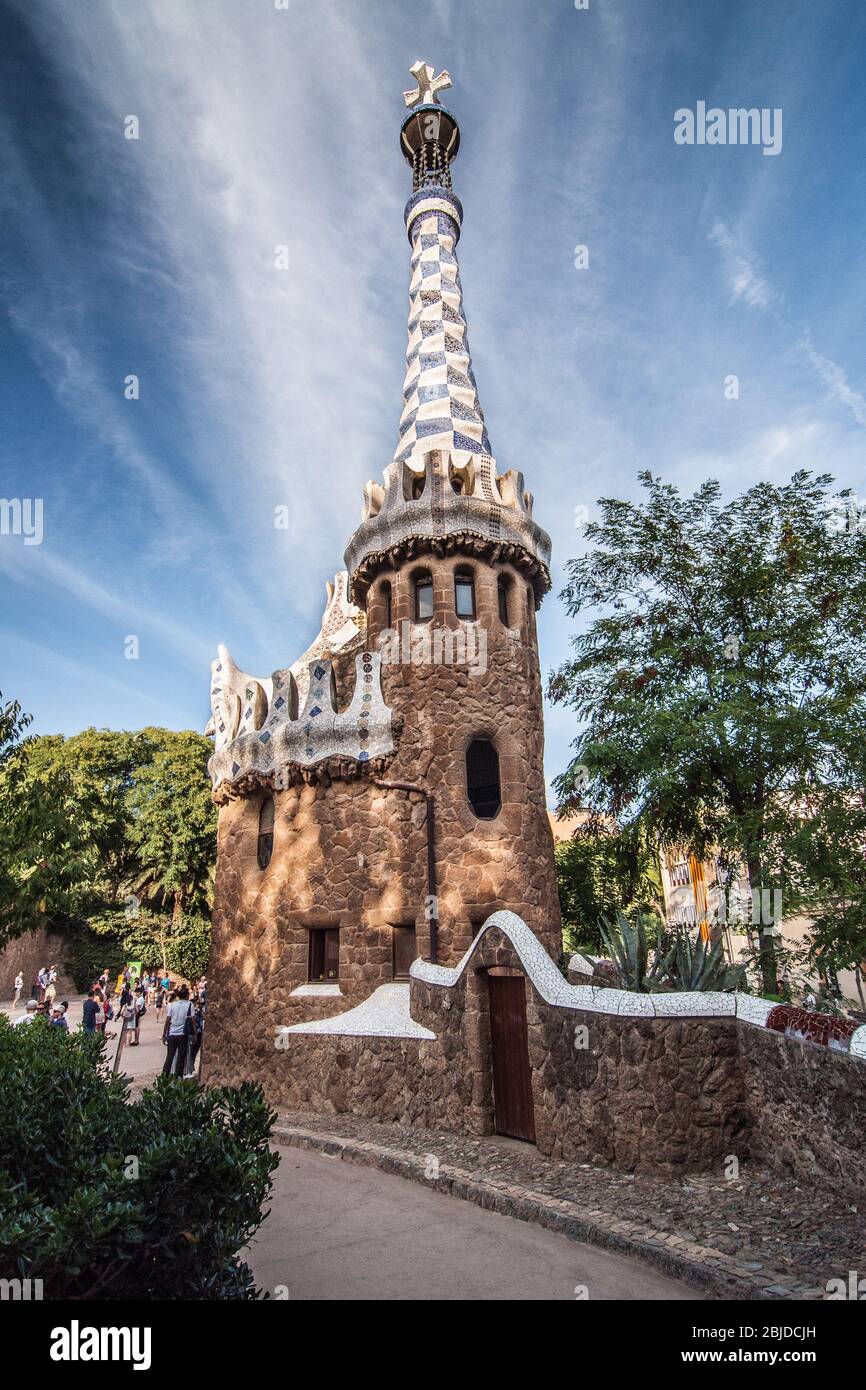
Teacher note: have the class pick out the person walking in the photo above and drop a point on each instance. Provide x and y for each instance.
(174, 1033)
(19, 985)
(50, 992)
(90, 1012)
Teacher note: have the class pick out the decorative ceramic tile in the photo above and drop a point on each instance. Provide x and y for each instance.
(384, 1015)
(857, 1045)
(752, 1009)
(549, 983)
(256, 734)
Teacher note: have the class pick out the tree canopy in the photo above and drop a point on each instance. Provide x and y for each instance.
(100, 820)
(720, 675)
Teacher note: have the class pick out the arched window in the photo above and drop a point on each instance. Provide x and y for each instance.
(385, 594)
(266, 832)
(423, 586)
(482, 778)
(503, 584)
(464, 594)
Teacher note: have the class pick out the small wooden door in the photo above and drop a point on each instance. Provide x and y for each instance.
(512, 1080)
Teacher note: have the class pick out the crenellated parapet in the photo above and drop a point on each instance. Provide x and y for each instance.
(285, 728)
(439, 502)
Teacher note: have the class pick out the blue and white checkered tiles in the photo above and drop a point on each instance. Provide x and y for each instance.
(441, 408)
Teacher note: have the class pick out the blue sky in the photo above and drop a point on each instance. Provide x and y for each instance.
(260, 388)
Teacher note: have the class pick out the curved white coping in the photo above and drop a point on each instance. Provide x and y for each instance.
(321, 989)
(555, 990)
(384, 1015)
(857, 1045)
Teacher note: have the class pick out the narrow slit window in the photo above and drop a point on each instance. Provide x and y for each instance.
(386, 604)
(265, 846)
(502, 587)
(482, 778)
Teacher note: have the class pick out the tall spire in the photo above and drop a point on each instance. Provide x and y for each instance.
(442, 493)
(441, 409)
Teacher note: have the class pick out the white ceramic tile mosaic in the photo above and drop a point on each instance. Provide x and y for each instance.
(384, 1015)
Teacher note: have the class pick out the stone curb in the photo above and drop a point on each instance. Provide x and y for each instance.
(711, 1271)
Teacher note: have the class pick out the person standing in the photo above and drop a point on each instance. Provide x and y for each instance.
(139, 1007)
(58, 1018)
(27, 1017)
(50, 992)
(174, 1033)
(19, 985)
(195, 1036)
(90, 1012)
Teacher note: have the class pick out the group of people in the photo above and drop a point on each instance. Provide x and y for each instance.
(184, 1008)
(54, 1012)
(42, 991)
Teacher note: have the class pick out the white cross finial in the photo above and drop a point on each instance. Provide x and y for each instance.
(428, 85)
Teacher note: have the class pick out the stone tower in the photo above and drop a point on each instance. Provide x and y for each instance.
(385, 794)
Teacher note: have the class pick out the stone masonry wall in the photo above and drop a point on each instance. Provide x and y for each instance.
(655, 1095)
(27, 954)
(808, 1107)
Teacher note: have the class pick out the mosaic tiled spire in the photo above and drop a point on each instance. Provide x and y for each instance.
(441, 408)
(440, 400)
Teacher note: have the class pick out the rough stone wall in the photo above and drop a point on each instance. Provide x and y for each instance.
(353, 855)
(808, 1106)
(27, 954)
(654, 1094)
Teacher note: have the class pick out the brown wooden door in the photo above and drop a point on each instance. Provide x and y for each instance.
(512, 1080)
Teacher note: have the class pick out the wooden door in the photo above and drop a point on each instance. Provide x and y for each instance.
(512, 1080)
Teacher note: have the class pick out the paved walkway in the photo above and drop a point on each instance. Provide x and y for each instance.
(337, 1231)
(759, 1236)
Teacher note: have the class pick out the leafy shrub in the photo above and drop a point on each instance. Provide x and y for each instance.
(103, 1197)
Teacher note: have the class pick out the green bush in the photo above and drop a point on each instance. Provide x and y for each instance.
(103, 1197)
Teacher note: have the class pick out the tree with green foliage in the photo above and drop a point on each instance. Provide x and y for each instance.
(602, 871)
(724, 661)
(111, 837)
(102, 1197)
(174, 828)
(47, 861)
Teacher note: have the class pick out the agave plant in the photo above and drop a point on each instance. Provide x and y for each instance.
(696, 965)
(628, 944)
(648, 962)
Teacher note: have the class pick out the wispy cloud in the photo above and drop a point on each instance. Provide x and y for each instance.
(745, 278)
(748, 283)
